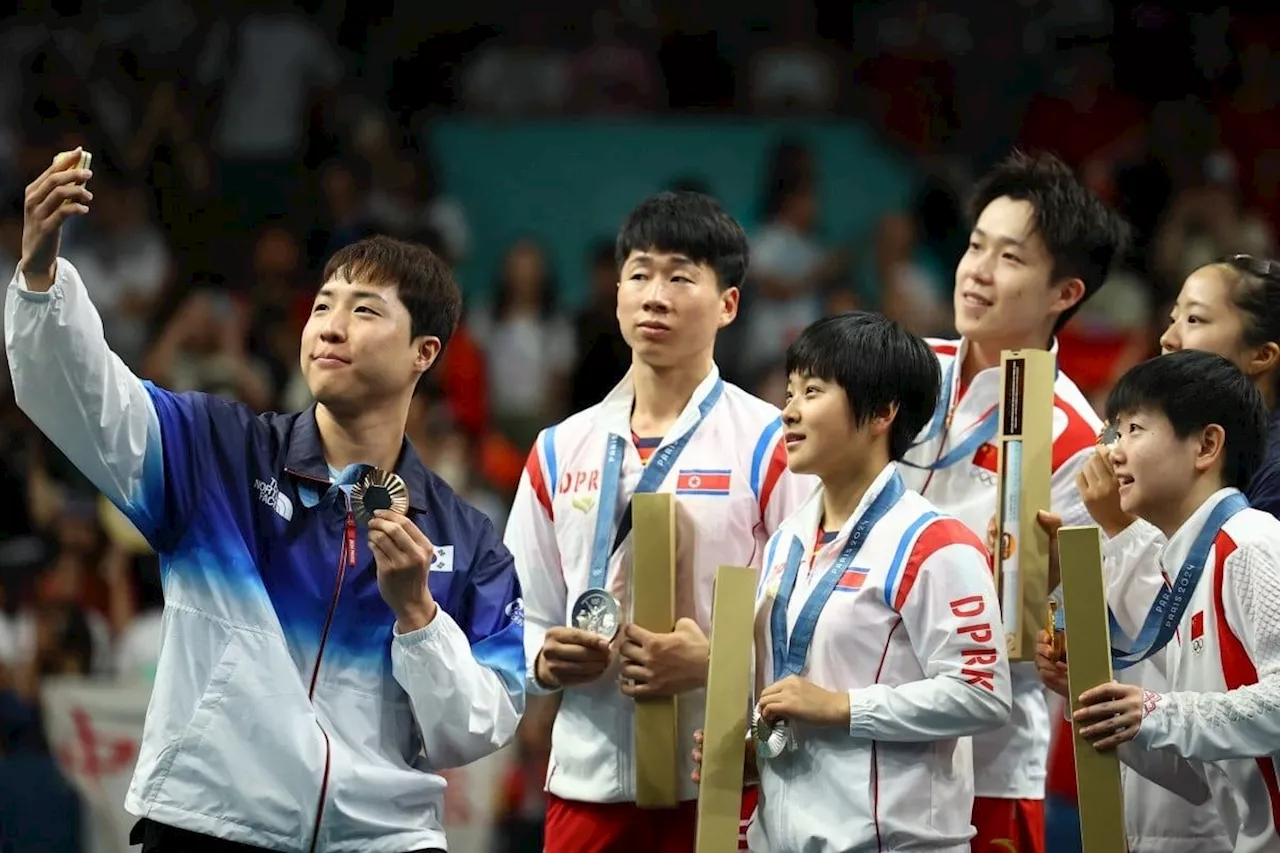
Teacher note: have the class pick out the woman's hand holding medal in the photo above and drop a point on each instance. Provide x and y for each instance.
(797, 700)
(1099, 490)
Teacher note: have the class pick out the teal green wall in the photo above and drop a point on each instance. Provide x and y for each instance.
(568, 183)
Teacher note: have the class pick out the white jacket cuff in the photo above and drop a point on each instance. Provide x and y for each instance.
(463, 709)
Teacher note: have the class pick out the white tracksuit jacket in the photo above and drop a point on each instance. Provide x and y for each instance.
(732, 490)
(912, 631)
(1010, 763)
(1156, 819)
(1214, 735)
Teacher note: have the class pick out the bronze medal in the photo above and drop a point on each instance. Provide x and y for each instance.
(376, 490)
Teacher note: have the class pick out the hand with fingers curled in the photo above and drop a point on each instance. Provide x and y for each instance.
(50, 200)
(796, 699)
(571, 656)
(750, 773)
(664, 664)
(1113, 713)
(1053, 672)
(402, 554)
(1100, 493)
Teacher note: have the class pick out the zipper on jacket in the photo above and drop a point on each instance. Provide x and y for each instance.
(345, 560)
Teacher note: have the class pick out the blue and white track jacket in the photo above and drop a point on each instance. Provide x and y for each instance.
(286, 712)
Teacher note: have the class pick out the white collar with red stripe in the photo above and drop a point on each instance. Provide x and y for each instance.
(962, 349)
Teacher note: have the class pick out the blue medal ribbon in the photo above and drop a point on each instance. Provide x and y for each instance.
(1171, 602)
(982, 432)
(660, 465)
(789, 653)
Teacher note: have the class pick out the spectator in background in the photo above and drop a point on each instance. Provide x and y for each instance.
(520, 73)
(789, 266)
(603, 356)
(528, 345)
(203, 347)
(345, 218)
(1203, 223)
(266, 72)
(452, 453)
(405, 198)
(1086, 120)
(130, 259)
(613, 73)
(798, 73)
(905, 281)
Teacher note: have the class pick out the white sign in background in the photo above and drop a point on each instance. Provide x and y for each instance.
(94, 729)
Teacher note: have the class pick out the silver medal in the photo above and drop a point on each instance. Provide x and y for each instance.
(1109, 436)
(596, 612)
(771, 740)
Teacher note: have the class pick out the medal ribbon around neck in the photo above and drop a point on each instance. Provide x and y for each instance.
(982, 432)
(1171, 602)
(660, 464)
(790, 653)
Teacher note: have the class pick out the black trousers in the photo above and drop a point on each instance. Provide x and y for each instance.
(158, 838)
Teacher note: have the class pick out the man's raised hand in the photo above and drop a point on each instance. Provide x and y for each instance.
(51, 200)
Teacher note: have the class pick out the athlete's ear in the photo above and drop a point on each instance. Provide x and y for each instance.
(882, 420)
(1212, 442)
(428, 352)
(729, 298)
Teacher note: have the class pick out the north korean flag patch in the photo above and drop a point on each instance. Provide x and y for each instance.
(703, 482)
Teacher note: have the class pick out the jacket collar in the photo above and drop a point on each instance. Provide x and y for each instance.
(1178, 548)
(304, 460)
(614, 413)
(803, 524)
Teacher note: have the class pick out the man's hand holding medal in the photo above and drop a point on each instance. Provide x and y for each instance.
(402, 553)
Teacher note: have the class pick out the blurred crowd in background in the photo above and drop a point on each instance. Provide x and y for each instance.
(237, 145)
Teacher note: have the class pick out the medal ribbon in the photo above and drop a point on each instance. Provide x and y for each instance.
(1171, 602)
(660, 464)
(789, 653)
(983, 431)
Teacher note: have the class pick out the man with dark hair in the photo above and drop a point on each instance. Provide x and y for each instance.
(1040, 245)
(315, 678)
(672, 424)
(1191, 432)
(877, 624)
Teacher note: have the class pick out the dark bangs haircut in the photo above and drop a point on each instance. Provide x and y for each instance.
(1082, 234)
(423, 281)
(877, 363)
(690, 224)
(1194, 389)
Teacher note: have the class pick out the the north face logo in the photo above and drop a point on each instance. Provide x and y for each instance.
(270, 494)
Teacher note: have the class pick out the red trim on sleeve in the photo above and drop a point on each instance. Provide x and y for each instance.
(777, 464)
(1237, 668)
(533, 467)
(1075, 436)
(936, 535)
